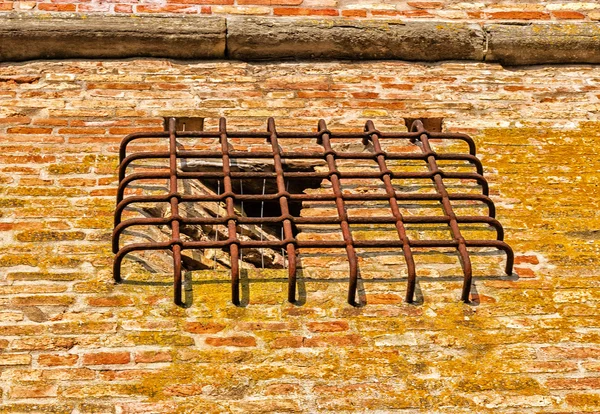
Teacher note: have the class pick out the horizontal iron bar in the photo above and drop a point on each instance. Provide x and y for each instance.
(298, 197)
(291, 135)
(300, 221)
(297, 155)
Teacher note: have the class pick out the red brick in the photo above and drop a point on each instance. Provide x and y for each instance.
(320, 94)
(152, 356)
(590, 401)
(239, 341)
(399, 86)
(14, 359)
(526, 259)
(33, 391)
(43, 343)
(212, 2)
(29, 130)
(104, 192)
(324, 341)
(354, 13)
(519, 15)
(524, 272)
(300, 11)
(287, 342)
(365, 95)
(566, 14)
(69, 374)
(571, 353)
(383, 298)
(415, 13)
(51, 360)
(106, 358)
(50, 122)
(182, 390)
(82, 131)
(130, 130)
(203, 327)
(264, 326)
(590, 383)
(93, 7)
(6, 6)
(77, 182)
(15, 120)
(43, 300)
(19, 79)
(56, 7)
(271, 2)
(127, 86)
(282, 389)
(123, 8)
(124, 374)
(377, 13)
(426, 4)
(110, 301)
(479, 298)
(173, 8)
(336, 326)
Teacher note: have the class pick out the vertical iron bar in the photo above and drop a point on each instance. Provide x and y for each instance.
(285, 211)
(262, 215)
(175, 218)
(341, 210)
(372, 134)
(231, 227)
(216, 227)
(447, 206)
(241, 214)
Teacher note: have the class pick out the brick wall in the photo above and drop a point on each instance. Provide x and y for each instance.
(454, 9)
(72, 341)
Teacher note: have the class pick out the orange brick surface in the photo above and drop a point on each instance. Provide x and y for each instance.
(73, 341)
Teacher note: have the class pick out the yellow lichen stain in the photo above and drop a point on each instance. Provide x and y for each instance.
(474, 349)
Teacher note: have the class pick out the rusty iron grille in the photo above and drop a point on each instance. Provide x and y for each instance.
(330, 158)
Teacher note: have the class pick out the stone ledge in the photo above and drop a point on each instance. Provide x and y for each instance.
(259, 38)
(29, 37)
(543, 43)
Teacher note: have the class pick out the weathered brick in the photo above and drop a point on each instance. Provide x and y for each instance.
(527, 259)
(15, 359)
(52, 360)
(183, 390)
(152, 356)
(203, 327)
(519, 15)
(106, 358)
(590, 383)
(54, 7)
(110, 301)
(335, 326)
(39, 343)
(301, 11)
(28, 130)
(33, 391)
(239, 341)
(43, 300)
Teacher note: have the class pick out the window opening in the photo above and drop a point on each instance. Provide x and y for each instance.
(257, 193)
(185, 124)
(429, 124)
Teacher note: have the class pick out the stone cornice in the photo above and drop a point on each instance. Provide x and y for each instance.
(30, 37)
